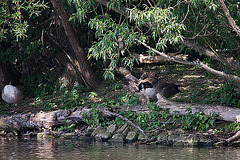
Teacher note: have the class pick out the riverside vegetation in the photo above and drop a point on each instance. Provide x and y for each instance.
(156, 122)
(45, 44)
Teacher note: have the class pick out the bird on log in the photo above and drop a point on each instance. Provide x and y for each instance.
(152, 88)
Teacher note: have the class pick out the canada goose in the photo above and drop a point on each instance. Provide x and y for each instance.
(165, 89)
(12, 95)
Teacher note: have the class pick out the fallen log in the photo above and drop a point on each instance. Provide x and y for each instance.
(223, 113)
(40, 120)
(47, 120)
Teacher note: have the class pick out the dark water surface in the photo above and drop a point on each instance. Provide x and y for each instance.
(82, 149)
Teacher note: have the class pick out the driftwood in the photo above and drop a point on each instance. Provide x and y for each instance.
(47, 120)
(41, 120)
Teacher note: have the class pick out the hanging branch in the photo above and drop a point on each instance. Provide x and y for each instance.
(198, 63)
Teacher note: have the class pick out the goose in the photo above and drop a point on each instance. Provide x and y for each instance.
(12, 95)
(165, 89)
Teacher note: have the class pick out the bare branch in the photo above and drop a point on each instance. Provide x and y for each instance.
(207, 52)
(222, 74)
(169, 58)
(204, 66)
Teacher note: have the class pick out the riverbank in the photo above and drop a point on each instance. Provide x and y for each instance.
(63, 113)
(125, 134)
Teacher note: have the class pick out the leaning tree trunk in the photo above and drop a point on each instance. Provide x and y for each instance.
(88, 75)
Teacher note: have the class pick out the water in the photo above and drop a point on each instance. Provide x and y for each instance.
(83, 150)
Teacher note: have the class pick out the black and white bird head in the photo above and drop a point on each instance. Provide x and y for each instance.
(144, 85)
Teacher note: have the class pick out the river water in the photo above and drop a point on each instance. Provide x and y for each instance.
(85, 149)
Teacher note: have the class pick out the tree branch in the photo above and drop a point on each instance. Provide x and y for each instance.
(127, 120)
(230, 19)
(199, 63)
(191, 44)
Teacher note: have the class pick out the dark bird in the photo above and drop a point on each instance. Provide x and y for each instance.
(165, 89)
(12, 95)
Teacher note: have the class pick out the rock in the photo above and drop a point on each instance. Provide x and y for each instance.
(67, 135)
(162, 136)
(112, 128)
(125, 132)
(87, 132)
(99, 130)
(104, 136)
(117, 138)
(44, 136)
(174, 138)
(131, 136)
(190, 140)
(107, 134)
(205, 142)
(141, 137)
(121, 130)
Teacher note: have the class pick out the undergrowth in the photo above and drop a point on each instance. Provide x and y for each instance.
(227, 95)
(156, 119)
(113, 94)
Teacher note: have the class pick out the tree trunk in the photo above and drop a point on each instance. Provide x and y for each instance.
(88, 75)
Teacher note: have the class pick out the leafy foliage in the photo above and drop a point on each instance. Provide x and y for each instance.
(107, 48)
(162, 23)
(155, 119)
(68, 128)
(198, 121)
(233, 127)
(116, 37)
(94, 118)
(12, 20)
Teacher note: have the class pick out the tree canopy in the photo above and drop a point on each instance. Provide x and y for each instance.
(111, 32)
